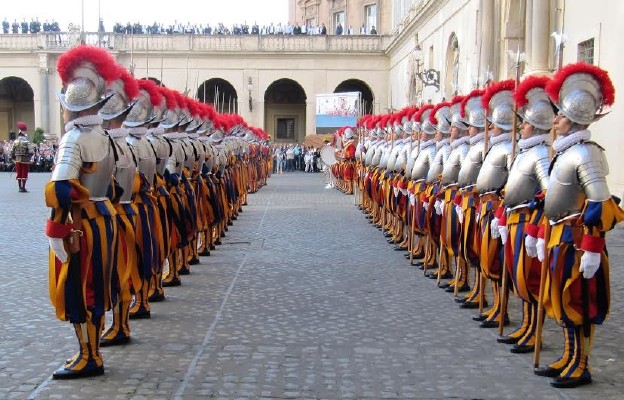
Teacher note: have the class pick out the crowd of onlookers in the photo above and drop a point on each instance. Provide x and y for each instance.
(237, 29)
(296, 157)
(34, 26)
(42, 156)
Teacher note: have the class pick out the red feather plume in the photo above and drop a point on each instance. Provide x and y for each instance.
(508, 84)
(150, 87)
(608, 91)
(422, 110)
(103, 62)
(193, 107)
(527, 84)
(412, 112)
(432, 117)
(131, 87)
(457, 99)
(180, 99)
(462, 107)
(169, 97)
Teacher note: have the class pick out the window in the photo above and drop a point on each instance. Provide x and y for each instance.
(339, 18)
(370, 17)
(585, 51)
(285, 128)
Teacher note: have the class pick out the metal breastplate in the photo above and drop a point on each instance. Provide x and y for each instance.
(469, 170)
(201, 153)
(411, 159)
(437, 166)
(392, 157)
(424, 160)
(21, 150)
(86, 144)
(401, 158)
(528, 175)
(495, 168)
(189, 154)
(175, 162)
(210, 157)
(162, 149)
(454, 163)
(370, 152)
(576, 175)
(145, 156)
(385, 156)
(378, 154)
(125, 168)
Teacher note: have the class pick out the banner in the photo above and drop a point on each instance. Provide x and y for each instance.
(336, 110)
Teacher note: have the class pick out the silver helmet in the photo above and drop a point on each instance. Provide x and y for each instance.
(533, 103)
(500, 104)
(472, 109)
(580, 91)
(425, 123)
(440, 117)
(456, 118)
(123, 92)
(85, 72)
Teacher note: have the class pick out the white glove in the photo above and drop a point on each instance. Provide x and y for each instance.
(590, 262)
(58, 247)
(541, 249)
(426, 205)
(494, 228)
(529, 246)
(412, 199)
(504, 233)
(438, 206)
(395, 190)
(460, 214)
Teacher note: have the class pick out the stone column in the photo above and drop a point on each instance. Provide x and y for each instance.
(44, 90)
(540, 37)
(528, 32)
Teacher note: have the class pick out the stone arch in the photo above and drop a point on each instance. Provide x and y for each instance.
(285, 111)
(451, 73)
(220, 94)
(16, 104)
(356, 85)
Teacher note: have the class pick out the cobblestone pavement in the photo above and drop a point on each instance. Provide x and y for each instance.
(304, 299)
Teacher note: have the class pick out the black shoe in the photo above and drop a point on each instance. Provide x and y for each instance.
(185, 271)
(548, 372)
(156, 298)
(89, 370)
(479, 318)
(205, 253)
(171, 283)
(234, 218)
(400, 249)
(569, 383)
(224, 230)
(217, 242)
(449, 289)
(445, 285)
(464, 289)
(522, 348)
(212, 246)
(229, 223)
(391, 241)
(432, 276)
(193, 261)
(460, 300)
(116, 341)
(493, 323)
(142, 313)
(507, 339)
(447, 275)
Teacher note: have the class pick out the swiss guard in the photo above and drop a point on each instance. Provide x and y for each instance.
(22, 155)
(580, 210)
(82, 228)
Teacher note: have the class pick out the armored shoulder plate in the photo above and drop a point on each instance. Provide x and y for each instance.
(495, 168)
(528, 175)
(471, 166)
(577, 174)
(423, 162)
(175, 162)
(145, 156)
(392, 157)
(452, 166)
(84, 144)
(162, 149)
(437, 166)
(125, 168)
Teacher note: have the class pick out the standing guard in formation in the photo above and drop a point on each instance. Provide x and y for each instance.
(22, 155)
(473, 201)
(152, 192)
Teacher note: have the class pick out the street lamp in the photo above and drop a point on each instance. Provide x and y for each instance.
(250, 88)
(429, 77)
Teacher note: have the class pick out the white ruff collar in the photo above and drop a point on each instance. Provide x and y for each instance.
(427, 143)
(503, 137)
(459, 141)
(532, 141)
(117, 133)
(564, 142)
(158, 131)
(442, 143)
(87, 120)
(477, 138)
(137, 132)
